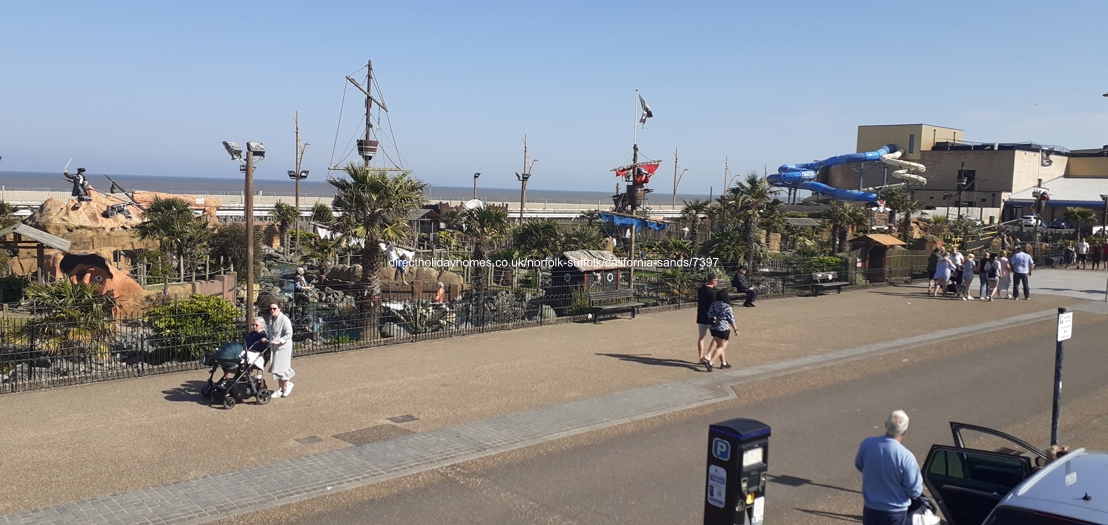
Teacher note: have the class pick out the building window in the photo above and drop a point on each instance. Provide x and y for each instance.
(912, 143)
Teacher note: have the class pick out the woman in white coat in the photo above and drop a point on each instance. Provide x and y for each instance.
(279, 330)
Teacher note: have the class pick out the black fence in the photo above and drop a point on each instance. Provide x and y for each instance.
(36, 353)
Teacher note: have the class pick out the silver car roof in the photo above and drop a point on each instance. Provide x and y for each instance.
(1075, 485)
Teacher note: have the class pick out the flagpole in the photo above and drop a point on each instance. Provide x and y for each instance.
(635, 124)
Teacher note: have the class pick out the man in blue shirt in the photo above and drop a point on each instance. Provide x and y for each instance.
(890, 474)
(1022, 264)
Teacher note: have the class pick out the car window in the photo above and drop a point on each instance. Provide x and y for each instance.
(984, 438)
(1020, 516)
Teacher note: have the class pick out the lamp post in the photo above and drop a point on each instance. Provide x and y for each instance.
(962, 180)
(527, 165)
(253, 149)
(297, 175)
(475, 175)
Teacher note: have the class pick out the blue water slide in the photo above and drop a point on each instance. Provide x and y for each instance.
(803, 176)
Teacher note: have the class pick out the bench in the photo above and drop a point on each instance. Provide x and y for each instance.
(611, 302)
(826, 280)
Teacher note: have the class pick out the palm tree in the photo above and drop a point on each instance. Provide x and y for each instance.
(691, 216)
(1079, 216)
(902, 202)
(322, 213)
(375, 204)
(538, 238)
(284, 215)
(70, 318)
(177, 230)
(484, 226)
(752, 199)
(323, 252)
(590, 216)
(582, 238)
(844, 218)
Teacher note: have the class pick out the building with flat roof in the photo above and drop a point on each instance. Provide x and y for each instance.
(993, 181)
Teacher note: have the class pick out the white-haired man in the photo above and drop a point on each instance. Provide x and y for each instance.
(890, 474)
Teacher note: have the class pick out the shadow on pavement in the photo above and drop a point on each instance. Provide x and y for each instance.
(852, 518)
(188, 391)
(653, 361)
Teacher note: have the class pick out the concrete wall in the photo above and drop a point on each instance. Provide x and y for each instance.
(912, 139)
(1087, 167)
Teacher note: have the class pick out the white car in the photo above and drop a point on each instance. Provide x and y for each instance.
(1031, 222)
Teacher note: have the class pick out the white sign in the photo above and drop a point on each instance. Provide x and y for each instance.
(717, 486)
(1065, 326)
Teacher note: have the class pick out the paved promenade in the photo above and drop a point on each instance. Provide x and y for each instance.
(149, 450)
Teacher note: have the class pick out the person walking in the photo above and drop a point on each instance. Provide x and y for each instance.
(1069, 255)
(991, 276)
(1022, 264)
(279, 332)
(705, 296)
(890, 475)
(982, 276)
(741, 283)
(967, 277)
(932, 267)
(1082, 253)
(723, 323)
(1097, 253)
(942, 274)
(1004, 268)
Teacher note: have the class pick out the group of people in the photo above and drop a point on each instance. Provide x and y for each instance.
(1081, 254)
(716, 317)
(272, 337)
(995, 273)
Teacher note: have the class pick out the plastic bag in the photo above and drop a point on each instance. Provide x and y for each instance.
(923, 516)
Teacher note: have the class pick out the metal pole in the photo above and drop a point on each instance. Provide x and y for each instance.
(248, 204)
(1059, 353)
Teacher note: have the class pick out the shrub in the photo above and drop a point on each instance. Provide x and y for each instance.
(12, 286)
(196, 326)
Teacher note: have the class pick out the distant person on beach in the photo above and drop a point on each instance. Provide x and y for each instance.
(81, 186)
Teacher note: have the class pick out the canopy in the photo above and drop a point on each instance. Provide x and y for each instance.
(638, 223)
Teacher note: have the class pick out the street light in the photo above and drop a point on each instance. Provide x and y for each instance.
(527, 165)
(475, 175)
(253, 149)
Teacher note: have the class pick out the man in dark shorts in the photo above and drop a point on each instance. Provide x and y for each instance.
(705, 296)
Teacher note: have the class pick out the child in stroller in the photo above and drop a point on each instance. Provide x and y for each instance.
(242, 376)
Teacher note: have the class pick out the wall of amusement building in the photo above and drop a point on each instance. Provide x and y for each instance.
(911, 139)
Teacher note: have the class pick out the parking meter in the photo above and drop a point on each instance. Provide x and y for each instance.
(738, 454)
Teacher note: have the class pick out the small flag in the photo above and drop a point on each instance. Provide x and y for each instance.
(1045, 159)
(646, 113)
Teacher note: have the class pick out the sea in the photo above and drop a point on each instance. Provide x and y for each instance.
(35, 181)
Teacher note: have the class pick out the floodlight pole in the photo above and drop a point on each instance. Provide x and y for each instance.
(248, 204)
(475, 175)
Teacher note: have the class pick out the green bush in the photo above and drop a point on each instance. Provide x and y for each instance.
(196, 326)
(11, 288)
(824, 264)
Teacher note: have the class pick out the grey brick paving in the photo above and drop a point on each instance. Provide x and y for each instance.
(223, 495)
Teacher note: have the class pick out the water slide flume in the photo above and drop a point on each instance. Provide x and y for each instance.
(802, 176)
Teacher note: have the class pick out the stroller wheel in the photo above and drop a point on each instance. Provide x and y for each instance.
(228, 402)
(264, 396)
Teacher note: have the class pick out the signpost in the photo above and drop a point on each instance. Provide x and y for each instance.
(1065, 331)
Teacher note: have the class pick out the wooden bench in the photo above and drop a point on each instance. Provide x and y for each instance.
(611, 302)
(826, 280)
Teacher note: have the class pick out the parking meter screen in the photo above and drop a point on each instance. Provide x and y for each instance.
(753, 456)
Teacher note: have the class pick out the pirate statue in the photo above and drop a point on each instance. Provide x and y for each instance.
(81, 186)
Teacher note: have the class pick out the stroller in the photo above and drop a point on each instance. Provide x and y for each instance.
(238, 382)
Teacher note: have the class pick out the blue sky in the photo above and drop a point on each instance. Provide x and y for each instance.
(151, 88)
